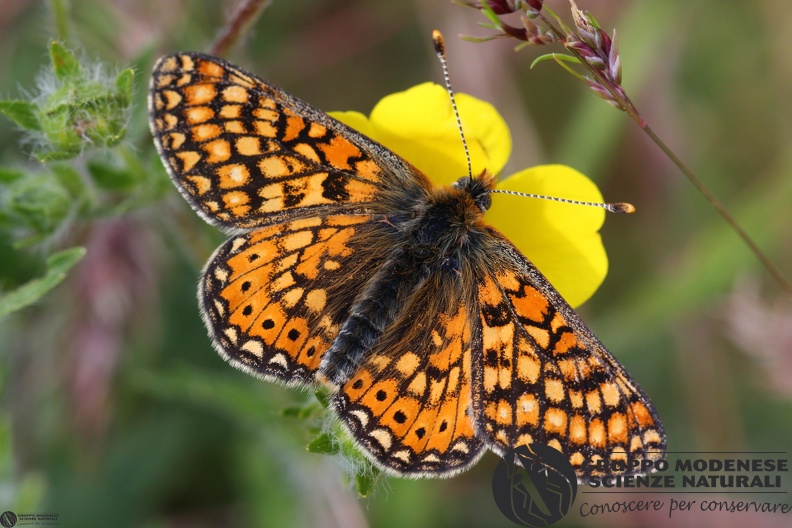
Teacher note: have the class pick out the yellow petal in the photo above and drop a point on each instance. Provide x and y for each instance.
(419, 125)
(562, 240)
(357, 121)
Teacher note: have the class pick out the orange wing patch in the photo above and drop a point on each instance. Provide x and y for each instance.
(543, 377)
(218, 128)
(267, 293)
(408, 404)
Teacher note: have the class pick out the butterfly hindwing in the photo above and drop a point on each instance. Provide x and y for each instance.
(246, 154)
(408, 405)
(274, 298)
(542, 376)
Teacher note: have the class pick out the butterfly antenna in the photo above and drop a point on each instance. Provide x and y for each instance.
(616, 207)
(439, 46)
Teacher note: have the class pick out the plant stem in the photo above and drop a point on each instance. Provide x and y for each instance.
(60, 18)
(629, 108)
(721, 209)
(243, 17)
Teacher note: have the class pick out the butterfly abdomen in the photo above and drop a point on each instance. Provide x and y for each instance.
(373, 311)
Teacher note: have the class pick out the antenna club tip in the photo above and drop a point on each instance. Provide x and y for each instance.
(438, 41)
(623, 207)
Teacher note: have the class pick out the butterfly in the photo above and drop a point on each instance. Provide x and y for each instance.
(347, 267)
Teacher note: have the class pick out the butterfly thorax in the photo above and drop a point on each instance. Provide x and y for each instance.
(446, 227)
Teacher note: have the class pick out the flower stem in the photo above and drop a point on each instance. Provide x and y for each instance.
(60, 18)
(721, 209)
(627, 105)
(243, 17)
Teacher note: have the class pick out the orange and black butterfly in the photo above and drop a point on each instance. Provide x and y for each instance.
(347, 267)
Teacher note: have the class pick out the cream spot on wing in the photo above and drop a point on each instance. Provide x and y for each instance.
(403, 455)
(248, 146)
(382, 437)
(554, 390)
(461, 447)
(221, 274)
(361, 416)
(231, 333)
(254, 347)
(280, 359)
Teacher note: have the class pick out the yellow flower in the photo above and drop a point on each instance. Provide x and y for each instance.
(562, 240)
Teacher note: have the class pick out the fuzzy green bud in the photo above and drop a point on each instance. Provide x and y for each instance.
(77, 107)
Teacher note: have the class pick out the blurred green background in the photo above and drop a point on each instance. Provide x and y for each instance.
(117, 412)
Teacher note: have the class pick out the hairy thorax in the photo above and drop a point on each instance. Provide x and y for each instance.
(447, 227)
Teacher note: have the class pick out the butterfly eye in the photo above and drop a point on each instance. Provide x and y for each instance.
(484, 201)
(461, 183)
(476, 190)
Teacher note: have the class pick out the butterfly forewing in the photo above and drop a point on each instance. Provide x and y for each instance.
(246, 154)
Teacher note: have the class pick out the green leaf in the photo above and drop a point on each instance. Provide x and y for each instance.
(323, 445)
(306, 411)
(30, 241)
(593, 20)
(23, 113)
(366, 482)
(490, 13)
(554, 57)
(38, 201)
(57, 267)
(489, 25)
(111, 177)
(56, 155)
(292, 412)
(562, 59)
(478, 39)
(64, 63)
(323, 395)
(124, 83)
(366, 476)
(69, 178)
(8, 175)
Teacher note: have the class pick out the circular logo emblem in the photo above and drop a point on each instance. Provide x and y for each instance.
(534, 485)
(8, 519)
